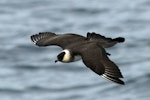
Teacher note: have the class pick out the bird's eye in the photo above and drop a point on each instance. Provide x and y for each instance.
(60, 56)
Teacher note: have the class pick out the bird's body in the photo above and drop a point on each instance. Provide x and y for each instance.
(90, 49)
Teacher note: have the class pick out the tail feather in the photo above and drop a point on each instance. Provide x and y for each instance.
(119, 39)
(104, 41)
(94, 36)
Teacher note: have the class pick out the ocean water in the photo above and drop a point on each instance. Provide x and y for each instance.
(28, 72)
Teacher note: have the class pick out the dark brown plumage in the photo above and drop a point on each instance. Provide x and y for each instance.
(90, 48)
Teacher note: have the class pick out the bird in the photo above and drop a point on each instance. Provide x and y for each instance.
(90, 48)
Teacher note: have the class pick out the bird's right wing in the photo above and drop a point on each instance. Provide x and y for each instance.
(49, 38)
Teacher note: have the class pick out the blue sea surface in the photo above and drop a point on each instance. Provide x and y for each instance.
(28, 72)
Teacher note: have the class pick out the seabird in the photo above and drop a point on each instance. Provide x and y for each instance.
(90, 49)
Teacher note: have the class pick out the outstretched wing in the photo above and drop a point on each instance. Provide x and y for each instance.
(105, 42)
(95, 57)
(49, 38)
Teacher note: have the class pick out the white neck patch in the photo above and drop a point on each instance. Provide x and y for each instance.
(67, 56)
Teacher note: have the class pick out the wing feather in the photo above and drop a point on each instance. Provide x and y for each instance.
(95, 57)
(49, 38)
(41, 38)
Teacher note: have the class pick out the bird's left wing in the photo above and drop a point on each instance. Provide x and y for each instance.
(95, 57)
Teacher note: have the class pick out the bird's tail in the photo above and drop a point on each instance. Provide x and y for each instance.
(119, 39)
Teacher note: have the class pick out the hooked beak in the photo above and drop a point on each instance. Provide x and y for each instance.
(56, 61)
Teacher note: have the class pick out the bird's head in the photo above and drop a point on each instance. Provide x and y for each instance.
(64, 56)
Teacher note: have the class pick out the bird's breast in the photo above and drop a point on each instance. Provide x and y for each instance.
(77, 57)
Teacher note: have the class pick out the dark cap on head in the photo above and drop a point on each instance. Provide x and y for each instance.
(60, 56)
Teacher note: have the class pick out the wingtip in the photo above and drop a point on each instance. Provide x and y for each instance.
(113, 79)
(33, 39)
